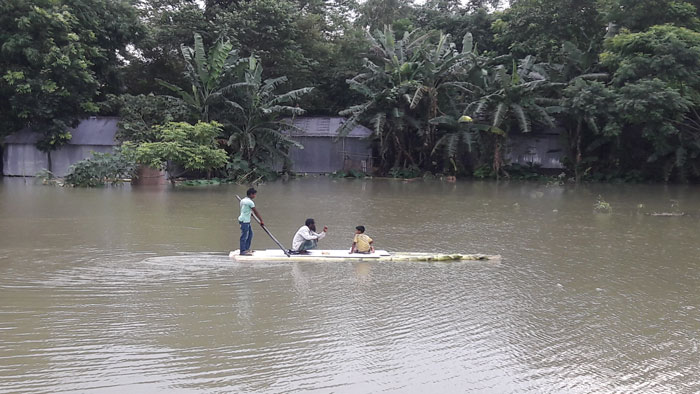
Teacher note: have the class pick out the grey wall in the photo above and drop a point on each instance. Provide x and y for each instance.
(323, 155)
(358, 155)
(23, 160)
(27, 160)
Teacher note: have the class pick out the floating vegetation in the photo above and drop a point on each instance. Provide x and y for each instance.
(675, 211)
(602, 206)
(667, 214)
(47, 177)
(352, 173)
(205, 182)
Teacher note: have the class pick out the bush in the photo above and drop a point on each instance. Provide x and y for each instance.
(484, 171)
(352, 173)
(190, 146)
(529, 172)
(241, 171)
(205, 182)
(100, 169)
(405, 173)
(47, 177)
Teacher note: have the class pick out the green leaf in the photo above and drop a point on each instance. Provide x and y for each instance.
(218, 57)
(444, 120)
(417, 97)
(500, 114)
(200, 59)
(522, 118)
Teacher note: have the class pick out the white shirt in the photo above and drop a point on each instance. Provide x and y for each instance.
(305, 234)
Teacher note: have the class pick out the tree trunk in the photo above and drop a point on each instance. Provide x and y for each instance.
(577, 163)
(169, 171)
(431, 127)
(497, 159)
(401, 151)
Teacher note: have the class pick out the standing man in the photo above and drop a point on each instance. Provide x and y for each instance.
(307, 238)
(247, 206)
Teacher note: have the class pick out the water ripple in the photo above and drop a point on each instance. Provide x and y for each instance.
(200, 322)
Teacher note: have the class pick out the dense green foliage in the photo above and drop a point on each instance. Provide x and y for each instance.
(207, 75)
(233, 92)
(57, 59)
(538, 27)
(655, 74)
(100, 169)
(443, 84)
(180, 146)
(138, 114)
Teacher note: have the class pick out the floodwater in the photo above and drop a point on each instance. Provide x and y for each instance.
(126, 289)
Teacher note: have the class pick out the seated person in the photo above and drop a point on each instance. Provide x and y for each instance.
(307, 238)
(362, 243)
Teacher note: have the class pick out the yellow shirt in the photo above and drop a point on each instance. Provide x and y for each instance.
(362, 242)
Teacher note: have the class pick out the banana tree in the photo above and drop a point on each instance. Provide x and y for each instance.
(458, 131)
(209, 75)
(388, 83)
(257, 123)
(514, 99)
(444, 78)
(411, 82)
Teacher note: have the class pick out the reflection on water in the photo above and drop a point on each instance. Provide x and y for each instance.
(120, 289)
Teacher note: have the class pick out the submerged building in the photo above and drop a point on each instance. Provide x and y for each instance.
(20, 156)
(542, 148)
(324, 150)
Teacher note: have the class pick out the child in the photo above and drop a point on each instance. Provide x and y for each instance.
(247, 207)
(362, 243)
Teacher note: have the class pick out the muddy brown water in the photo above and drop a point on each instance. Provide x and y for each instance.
(126, 289)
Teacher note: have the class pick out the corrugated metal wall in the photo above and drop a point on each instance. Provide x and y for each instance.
(27, 160)
(324, 155)
(357, 155)
(23, 160)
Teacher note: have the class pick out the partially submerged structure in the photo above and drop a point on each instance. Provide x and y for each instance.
(22, 158)
(324, 150)
(543, 149)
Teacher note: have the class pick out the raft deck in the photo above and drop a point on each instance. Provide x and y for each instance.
(276, 255)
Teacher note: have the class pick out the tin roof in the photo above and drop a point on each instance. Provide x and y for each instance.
(324, 126)
(96, 130)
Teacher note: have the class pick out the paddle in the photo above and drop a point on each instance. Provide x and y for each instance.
(267, 231)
